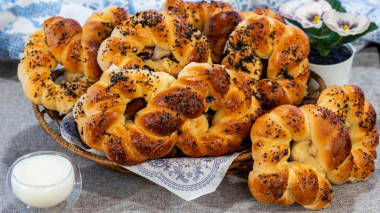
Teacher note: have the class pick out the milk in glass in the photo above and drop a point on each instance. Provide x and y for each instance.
(43, 181)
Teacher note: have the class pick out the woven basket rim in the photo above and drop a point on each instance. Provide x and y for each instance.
(243, 162)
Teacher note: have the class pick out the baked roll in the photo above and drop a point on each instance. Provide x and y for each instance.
(158, 41)
(34, 73)
(296, 152)
(64, 41)
(175, 113)
(204, 88)
(103, 125)
(76, 48)
(272, 56)
(216, 19)
(359, 117)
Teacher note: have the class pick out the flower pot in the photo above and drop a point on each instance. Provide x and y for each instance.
(335, 74)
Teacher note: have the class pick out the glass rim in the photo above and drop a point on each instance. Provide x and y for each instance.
(33, 154)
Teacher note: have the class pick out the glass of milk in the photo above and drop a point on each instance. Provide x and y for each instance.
(44, 181)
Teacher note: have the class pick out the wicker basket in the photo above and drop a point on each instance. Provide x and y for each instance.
(242, 163)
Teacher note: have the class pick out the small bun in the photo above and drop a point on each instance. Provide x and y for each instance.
(103, 126)
(272, 56)
(173, 41)
(284, 173)
(64, 41)
(359, 117)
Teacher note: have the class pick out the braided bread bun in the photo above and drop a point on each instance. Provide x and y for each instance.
(359, 117)
(176, 44)
(104, 127)
(201, 88)
(217, 19)
(303, 178)
(173, 114)
(62, 41)
(34, 72)
(76, 48)
(264, 48)
(198, 14)
(99, 25)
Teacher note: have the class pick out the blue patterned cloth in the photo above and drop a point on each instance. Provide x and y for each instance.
(19, 18)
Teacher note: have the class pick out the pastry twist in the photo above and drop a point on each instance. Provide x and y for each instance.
(174, 114)
(34, 72)
(359, 117)
(216, 19)
(201, 89)
(75, 47)
(264, 48)
(103, 126)
(175, 44)
(303, 178)
(61, 42)
(99, 25)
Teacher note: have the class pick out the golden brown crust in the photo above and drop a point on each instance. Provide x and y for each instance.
(161, 123)
(320, 145)
(306, 185)
(330, 137)
(59, 33)
(216, 18)
(359, 117)
(214, 30)
(175, 43)
(268, 187)
(201, 88)
(289, 52)
(100, 115)
(259, 38)
(269, 13)
(175, 113)
(217, 30)
(196, 13)
(183, 101)
(64, 41)
(34, 72)
(294, 120)
(99, 26)
(76, 47)
(270, 93)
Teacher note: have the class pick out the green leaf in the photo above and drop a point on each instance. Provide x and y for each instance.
(352, 38)
(333, 39)
(335, 4)
(322, 47)
(318, 34)
(330, 38)
(319, 37)
(324, 52)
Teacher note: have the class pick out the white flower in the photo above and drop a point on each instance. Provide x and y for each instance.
(310, 14)
(288, 9)
(346, 23)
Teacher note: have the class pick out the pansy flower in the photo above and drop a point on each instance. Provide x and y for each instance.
(310, 14)
(288, 9)
(346, 23)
